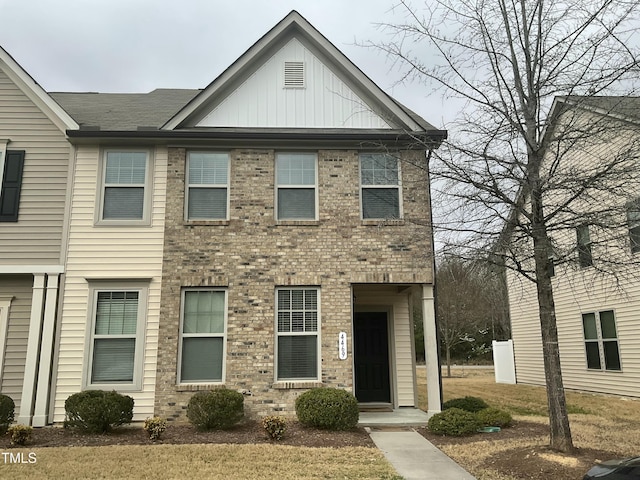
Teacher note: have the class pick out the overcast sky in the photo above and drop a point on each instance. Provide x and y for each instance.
(140, 45)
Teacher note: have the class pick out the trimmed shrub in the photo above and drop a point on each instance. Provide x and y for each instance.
(98, 411)
(494, 417)
(20, 434)
(7, 409)
(216, 410)
(454, 422)
(470, 404)
(328, 408)
(155, 427)
(274, 426)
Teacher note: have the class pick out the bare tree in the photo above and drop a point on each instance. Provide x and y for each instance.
(470, 305)
(532, 74)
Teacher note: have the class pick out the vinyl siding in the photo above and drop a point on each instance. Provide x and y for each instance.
(37, 236)
(11, 378)
(576, 293)
(401, 348)
(114, 253)
(325, 101)
(584, 290)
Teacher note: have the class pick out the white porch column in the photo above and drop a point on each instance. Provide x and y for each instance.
(33, 345)
(41, 412)
(431, 350)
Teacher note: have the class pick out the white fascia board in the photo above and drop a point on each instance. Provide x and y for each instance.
(36, 93)
(31, 269)
(293, 19)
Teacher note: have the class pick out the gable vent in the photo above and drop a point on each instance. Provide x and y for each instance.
(293, 74)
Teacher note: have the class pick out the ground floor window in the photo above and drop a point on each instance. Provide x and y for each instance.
(601, 340)
(297, 326)
(204, 313)
(117, 324)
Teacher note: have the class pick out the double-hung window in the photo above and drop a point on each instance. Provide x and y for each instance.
(296, 181)
(297, 327)
(379, 186)
(633, 222)
(585, 257)
(203, 335)
(601, 340)
(207, 185)
(125, 189)
(117, 323)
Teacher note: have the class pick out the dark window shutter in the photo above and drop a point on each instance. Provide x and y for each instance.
(11, 185)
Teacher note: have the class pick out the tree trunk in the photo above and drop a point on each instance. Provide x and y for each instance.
(448, 349)
(560, 432)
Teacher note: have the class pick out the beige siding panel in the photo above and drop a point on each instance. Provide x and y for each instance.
(114, 253)
(37, 236)
(576, 293)
(403, 352)
(401, 347)
(11, 378)
(525, 331)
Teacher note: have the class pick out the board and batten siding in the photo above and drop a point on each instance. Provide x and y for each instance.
(401, 353)
(325, 101)
(576, 293)
(37, 236)
(19, 289)
(113, 253)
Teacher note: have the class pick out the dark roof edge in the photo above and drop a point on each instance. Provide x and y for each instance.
(432, 138)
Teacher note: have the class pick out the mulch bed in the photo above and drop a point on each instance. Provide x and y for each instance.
(528, 463)
(249, 432)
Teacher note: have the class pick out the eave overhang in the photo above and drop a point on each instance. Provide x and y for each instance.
(272, 138)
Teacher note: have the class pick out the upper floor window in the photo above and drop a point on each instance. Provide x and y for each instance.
(203, 335)
(207, 186)
(585, 257)
(116, 338)
(125, 189)
(379, 186)
(296, 186)
(633, 222)
(601, 340)
(11, 167)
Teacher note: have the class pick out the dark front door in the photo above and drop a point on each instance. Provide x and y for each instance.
(371, 352)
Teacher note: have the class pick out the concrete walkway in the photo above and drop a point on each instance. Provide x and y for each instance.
(415, 458)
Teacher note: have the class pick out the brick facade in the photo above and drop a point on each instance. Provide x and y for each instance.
(252, 253)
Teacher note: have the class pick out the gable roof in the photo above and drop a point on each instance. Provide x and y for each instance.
(35, 92)
(124, 111)
(626, 108)
(296, 26)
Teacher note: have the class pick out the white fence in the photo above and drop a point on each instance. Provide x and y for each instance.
(503, 363)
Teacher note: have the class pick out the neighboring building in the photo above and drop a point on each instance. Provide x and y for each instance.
(269, 233)
(597, 313)
(34, 172)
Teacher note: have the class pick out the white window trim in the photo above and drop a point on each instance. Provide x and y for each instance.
(188, 187)
(206, 335)
(398, 187)
(306, 187)
(140, 336)
(5, 307)
(3, 151)
(147, 196)
(318, 332)
(600, 341)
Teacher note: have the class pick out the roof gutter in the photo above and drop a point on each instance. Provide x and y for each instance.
(417, 140)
